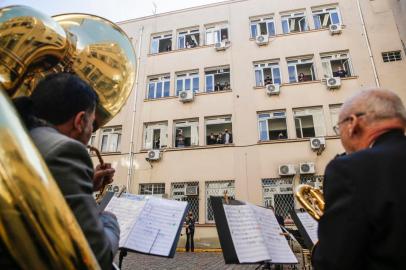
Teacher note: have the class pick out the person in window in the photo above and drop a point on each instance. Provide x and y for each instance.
(188, 45)
(281, 135)
(227, 137)
(341, 72)
(212, 138)
(301, 77)
(226, 86)
(218, 87)
(268, 80)
(169, 47)
(224, 39)
(219, 139)
(192, 44)
(157, 143)
(190, 232)
(180, 139)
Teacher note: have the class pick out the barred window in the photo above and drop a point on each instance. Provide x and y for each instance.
(187, 192)
(391, 56)
(278, 192)
(217, 188)
(156, 189)
(312, 180)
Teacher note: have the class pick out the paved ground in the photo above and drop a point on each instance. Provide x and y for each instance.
(182, 261)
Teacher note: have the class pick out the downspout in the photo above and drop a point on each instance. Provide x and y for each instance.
(131, 151)
(371, 58)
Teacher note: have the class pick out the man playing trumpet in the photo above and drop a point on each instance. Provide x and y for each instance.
(364, 223)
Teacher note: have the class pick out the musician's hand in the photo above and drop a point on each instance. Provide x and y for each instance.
(103, 175)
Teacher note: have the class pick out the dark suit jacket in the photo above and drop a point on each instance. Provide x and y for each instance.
(72, 168)
(223, 138)
(364, 224)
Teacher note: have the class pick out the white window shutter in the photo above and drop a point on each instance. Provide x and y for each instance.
(194, 134)
(164, 136)
(148, 137)
(318, 121)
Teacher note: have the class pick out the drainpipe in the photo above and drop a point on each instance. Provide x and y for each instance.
(131, 151)
(371, 58)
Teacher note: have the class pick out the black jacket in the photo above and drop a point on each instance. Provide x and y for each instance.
(364, 224)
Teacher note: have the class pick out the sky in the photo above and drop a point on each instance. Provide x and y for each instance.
(114, 10)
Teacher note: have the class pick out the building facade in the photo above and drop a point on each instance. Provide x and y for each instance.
(229, 95)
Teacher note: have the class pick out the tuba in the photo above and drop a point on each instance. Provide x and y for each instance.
(37, 228)
(311, 199)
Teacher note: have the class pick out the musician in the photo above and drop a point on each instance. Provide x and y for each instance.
(60, 114)
(364, 223)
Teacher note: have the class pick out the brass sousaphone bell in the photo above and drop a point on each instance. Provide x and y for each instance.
(311, 199)
(37, 227)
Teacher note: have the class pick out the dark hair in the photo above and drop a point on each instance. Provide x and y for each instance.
(60, 96)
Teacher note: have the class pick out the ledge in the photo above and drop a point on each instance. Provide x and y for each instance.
(308, 82)
(180, 50)
(173, 149)
(295, 140)
(196, 94)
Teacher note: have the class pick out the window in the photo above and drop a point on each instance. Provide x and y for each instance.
(219, 130)
(262, 26)
(295, 22)
(187, 192)
(157, 189)
(313, 180)
(155, 135)
(110, 139)
(278, 192)
(217, 79)
(188, 39)
(187, 82)
(186, 133)
(309, 122)
(272, 126)
(158, 87)
(217, 189)
(216, 34)
(334, 113)
(336, 65)
(92, 139)
(301, 70)
(162, 43)
(267, 73)
(391, 56)
(323, 18)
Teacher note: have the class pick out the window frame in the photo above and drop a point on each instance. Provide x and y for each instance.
(109, 132)
(149, 129)
(215, 71)
(183, 34)
(260, 66)
(329, 10)
(288, 16)
(300, 61)
(184, 76)
(309, 111)
(213, 29)
(271, 115)
(216, 120)
(187, 123)
(392, 56)
(158, 38)
(155, 80)
(154, 186)
(256, 22)
(327, 58)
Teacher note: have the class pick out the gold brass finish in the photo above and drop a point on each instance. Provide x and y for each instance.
(103, 189)
(311, 199)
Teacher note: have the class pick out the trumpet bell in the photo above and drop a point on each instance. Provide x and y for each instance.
(311, 199)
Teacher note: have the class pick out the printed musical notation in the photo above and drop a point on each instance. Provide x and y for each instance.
(310, 226)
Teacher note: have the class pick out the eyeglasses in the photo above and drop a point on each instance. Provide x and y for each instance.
(336, 128)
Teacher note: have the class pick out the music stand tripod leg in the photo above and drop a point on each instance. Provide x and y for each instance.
(123, 253)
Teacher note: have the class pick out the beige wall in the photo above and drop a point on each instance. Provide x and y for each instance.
(247, 161)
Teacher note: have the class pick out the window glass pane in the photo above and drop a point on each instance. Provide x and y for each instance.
(276, 75)
(262, 28)
(181, 42)
(263, 130)
(217, 36)
(224, 34)
(166, 89)
(317, 22)
(292, 73)
(159, 90)
(154, 46)
(179, 86)
(195, 84)
(104, 143)
(271, 29)
(253, 30)
(187, 84)
(113, 142)
(151, 90)
(209, 38)
(303, 24)
(334, 17)
(209, 83)
(258, 78)
(285, 26)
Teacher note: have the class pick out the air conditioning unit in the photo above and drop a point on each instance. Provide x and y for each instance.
(262, 40)
(307, 168)
(318, 143)
(273, 89)
(221, 46)
(335, 29)
(154, 155)
(333, 82)
(186, 96)
(287, 169)
(192, 190)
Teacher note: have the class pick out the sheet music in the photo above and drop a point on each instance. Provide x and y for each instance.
(126, 211)
(310, 225)
(245, 233)
(277, 245)
(157, 226)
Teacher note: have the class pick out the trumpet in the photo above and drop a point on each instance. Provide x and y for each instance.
(103, 189)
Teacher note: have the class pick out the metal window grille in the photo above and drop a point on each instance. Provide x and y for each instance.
(278, 192)
(391, 56)
(312, 180)
(152, 189)
(181, 192)
(217, 188)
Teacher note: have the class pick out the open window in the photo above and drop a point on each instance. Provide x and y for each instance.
(262, 26)
(110, 139)
(216, 34)
(219, 130)
(323, 18)
(188, 39)
(187, 81)
(152, 189)
(155, 135)
(158, 86)
(272, 126)
(186, 133)
(336, 65)
(267, 73)
(309, 122)
(217, 79)
(294, 22)
(161, 43)
(301, 70)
